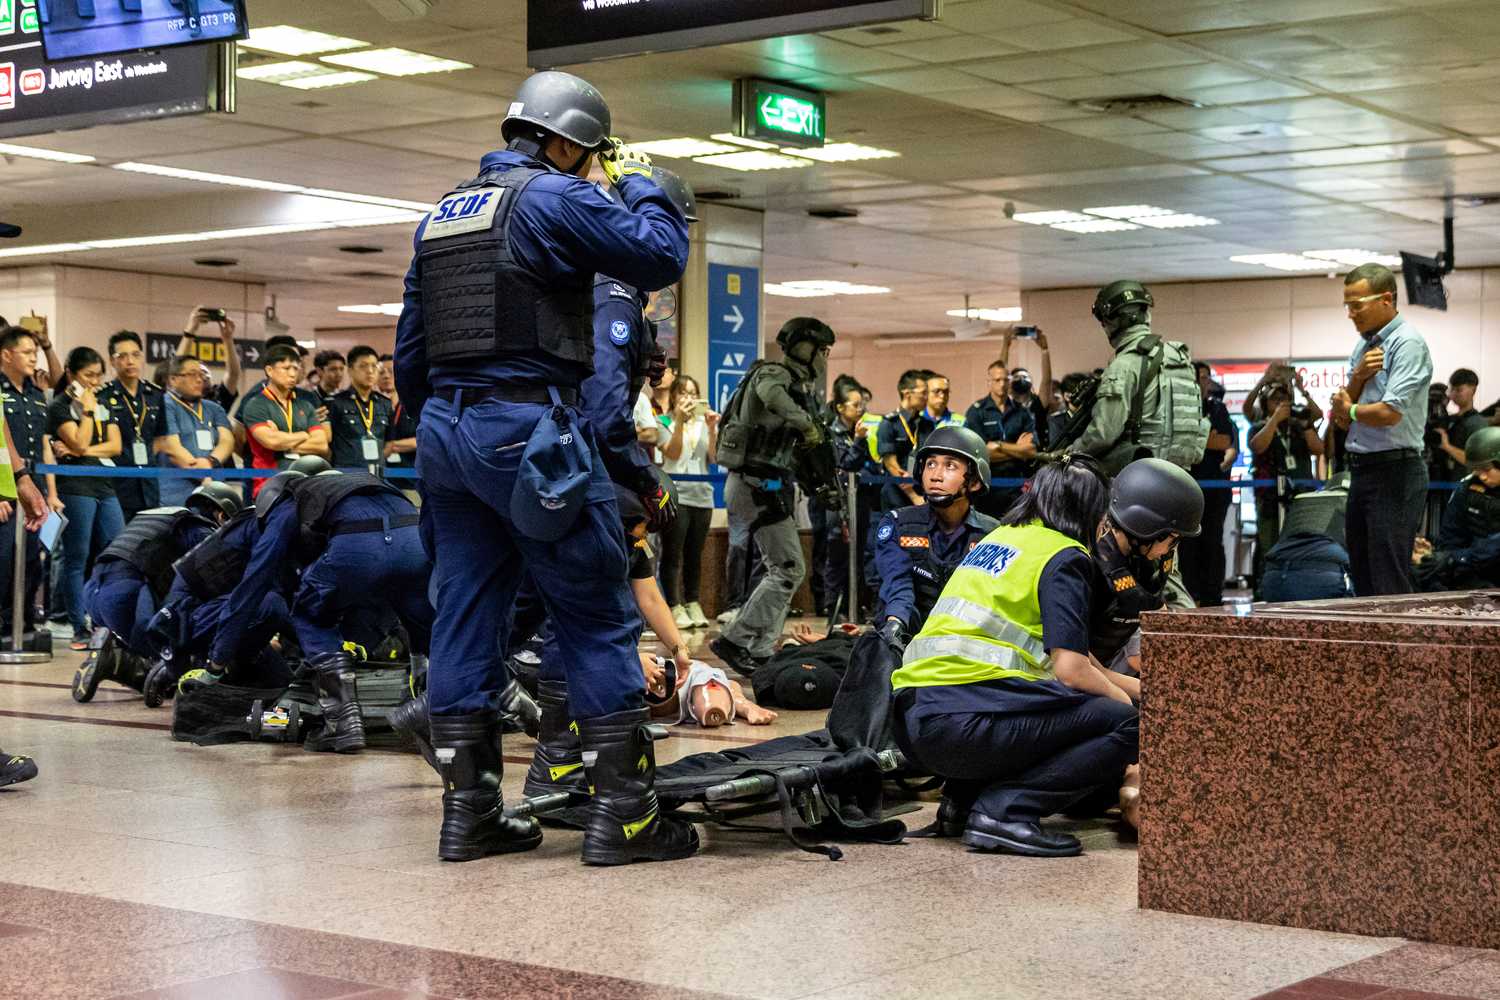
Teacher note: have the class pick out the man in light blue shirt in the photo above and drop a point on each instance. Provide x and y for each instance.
(1384, 406)
(198, 435)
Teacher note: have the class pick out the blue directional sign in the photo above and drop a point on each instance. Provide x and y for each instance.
(733, 328)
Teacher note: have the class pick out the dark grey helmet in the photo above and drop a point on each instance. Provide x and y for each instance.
(562, 104)
(216, 498)
(1117, 296)
(1482, 448)
(678, 190)
(274, 489)
(954, 440)
(801, 328)
(309, 465)
(1152, 498)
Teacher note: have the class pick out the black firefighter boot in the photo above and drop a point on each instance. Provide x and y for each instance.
(557, 763)
(625, 823)
(343, 727)
(474, 821)
(412, 718)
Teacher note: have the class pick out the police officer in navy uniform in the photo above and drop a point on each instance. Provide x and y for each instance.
(917, 548)
(26, 413)
(1467, 553)
(139, 406)
(497, 332)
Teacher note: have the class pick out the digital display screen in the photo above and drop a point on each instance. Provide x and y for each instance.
(37, 96)
(74, 29)
(560, 32)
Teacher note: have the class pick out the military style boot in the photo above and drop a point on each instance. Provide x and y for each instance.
(624, 819)
(557, 763)
(467, 748)
(518, 713)
(343, 727)
(103, 658)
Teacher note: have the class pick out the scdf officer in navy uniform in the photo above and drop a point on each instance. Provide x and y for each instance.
(495, 333)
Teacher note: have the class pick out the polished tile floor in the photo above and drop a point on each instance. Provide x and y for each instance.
(138, 867)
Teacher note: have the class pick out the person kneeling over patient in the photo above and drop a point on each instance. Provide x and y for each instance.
(997, 693)
(1467, 554)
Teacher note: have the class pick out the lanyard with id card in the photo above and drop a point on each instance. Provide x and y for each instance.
(369, 448)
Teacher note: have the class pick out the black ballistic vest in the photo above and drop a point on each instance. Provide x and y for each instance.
(316, 497)
(477, 301)
(1131, 585)
(1481, 509)
(150, 543)
(929, 574)
(214, 566)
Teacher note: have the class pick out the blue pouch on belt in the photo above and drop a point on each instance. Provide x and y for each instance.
(553, 480)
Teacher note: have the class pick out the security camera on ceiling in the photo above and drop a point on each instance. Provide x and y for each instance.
(402, 10)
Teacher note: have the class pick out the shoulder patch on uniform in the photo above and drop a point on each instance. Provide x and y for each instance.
(1123, 583)
(468, 211)
(619, 332)
(619, 291)
(886, 530)
(916, 542)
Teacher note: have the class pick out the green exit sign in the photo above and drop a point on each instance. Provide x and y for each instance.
(775, 112)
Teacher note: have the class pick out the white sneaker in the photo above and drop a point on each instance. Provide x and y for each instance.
(728, 617)
(681, 617)
(695, 612)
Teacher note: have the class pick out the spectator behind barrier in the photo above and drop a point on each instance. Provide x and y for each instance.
(401, 447)
(1009, 433)
(329, 368)
(198, 435)
(1283, 444)
(282, 423)
(690, 450)
(901, 432)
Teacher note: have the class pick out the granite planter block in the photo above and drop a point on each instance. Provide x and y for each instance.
(1331, 765)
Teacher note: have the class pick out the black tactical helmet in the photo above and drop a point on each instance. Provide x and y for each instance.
(216, 498)
(273, 490)
(677, 189)
(1152, 498)
(1483, 448)
(562, 104)
(954, 440)
(795, 331)
(309, 465)
(1117, 296)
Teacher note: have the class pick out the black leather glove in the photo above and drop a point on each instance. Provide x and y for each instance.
(893, 631)
(658, 497)
(656, 368)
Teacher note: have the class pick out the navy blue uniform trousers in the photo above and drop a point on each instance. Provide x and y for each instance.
(468, 457)
(119, 599)
(355, 570)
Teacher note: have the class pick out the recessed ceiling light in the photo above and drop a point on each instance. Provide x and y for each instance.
(396, 62)
(1009, 314)
(374, 309)
(843, 152)
(1049, 218)
(289, 41)
(6, 149)
(206, 177)
(751, 160)
(1354, 258)
(336, 78)
(740, 140)
(817, 288)
(1128, 211)
(1182, 220)
(1282, 261)
(1095, 226)
(681, 149)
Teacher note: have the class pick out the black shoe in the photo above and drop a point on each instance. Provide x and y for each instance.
(413, 720)
(15, 768)
(97, 668)
(557, 763)
(474, 820)
(950, 822)
(343, 727)
(625, 823)
(735, 657)
(1028, 839)
(160, 684)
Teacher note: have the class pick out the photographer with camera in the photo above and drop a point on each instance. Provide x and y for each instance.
(1283, 445)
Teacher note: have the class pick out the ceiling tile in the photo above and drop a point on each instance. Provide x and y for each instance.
(1204, 75)
(1066, 35)
(997, 16)
(952, 49)
(892, 32)
(1023, 69)
(1084, 86)
(1141, 55)
(929, 80)
(825, 55)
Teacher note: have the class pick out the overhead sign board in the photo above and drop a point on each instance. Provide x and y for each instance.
(561, 32)
(733, 328)
(776, 112)
(73, 29)
(37, 96)
(163, 347)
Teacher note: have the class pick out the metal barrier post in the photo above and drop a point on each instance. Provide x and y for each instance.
(851, 603)
(18, 596)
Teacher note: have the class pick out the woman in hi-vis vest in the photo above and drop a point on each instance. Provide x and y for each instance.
(998, 695)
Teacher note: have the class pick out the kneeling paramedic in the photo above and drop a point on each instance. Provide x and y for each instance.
(1467, 553)
(492, 345)
(918, 548)
(133, 575)
(997, 693)
(356, 535)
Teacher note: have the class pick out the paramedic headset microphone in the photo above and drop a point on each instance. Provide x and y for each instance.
(495, 337)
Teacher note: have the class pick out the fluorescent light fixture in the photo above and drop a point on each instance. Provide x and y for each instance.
(752, 160)
(1009, 314)
(369, 199)
(843, 152)
(207, 178)
(6, 149)
(396, 62)
(286, 40)
(395, 219)
(1181, 220)
(681, 149)
(322, 81)
(46, 248)
(1096, 226)
(280, 72)
(1128, 211)
(740, 140)
(374, 309)
(1354, 258)
(168, 239)
(817, 288)
(1049, 218)
(1283, 261)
